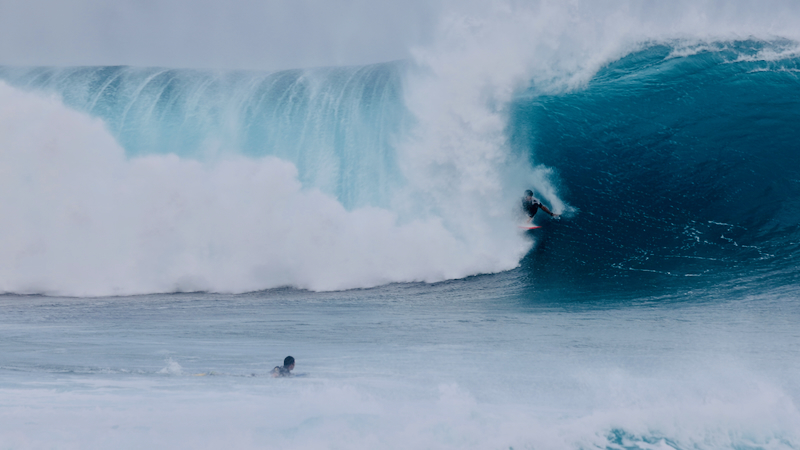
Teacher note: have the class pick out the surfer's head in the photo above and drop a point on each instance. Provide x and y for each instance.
(529, 193)
(288, 361)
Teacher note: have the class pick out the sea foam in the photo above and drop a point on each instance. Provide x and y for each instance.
(81, 218)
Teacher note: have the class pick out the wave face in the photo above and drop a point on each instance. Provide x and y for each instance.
(339, 126)
(683, 161)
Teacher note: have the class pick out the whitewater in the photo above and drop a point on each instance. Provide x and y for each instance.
(169, 235)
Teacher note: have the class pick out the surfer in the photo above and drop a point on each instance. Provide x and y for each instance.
(285, 370)
(531, 205)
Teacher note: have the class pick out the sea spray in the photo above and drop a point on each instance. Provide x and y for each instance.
(81, 218)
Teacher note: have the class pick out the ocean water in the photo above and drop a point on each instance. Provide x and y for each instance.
(170, 235)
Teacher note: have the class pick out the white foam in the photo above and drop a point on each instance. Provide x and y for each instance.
(79, 218)
(199, 412)
(172, 368)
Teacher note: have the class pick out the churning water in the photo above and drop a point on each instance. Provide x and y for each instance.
(169, 235)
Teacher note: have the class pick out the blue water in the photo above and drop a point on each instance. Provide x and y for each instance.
(460, 364)
(683, 167)
(660, 311)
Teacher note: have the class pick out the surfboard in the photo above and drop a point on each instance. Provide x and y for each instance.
(528, 227)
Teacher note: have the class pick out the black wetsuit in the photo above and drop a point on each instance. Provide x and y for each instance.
(531, 206)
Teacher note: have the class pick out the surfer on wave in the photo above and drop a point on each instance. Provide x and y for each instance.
(531, 205)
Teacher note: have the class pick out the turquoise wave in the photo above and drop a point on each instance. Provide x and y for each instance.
(339, 126)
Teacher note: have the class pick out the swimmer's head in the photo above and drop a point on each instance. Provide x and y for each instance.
(529, 193)
(288, 361)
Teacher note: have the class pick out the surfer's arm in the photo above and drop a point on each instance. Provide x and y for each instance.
(544, 208)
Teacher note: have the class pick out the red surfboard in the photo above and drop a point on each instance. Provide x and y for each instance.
(526, 227)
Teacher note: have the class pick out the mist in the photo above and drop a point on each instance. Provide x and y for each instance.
(277, 34)
(240, 34)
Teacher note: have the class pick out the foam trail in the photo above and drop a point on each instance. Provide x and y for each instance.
(79, 218)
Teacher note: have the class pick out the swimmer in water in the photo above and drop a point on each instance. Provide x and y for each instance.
(285, 370)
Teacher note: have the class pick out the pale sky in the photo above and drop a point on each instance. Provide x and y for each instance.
(283, 34)
(234, 34)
